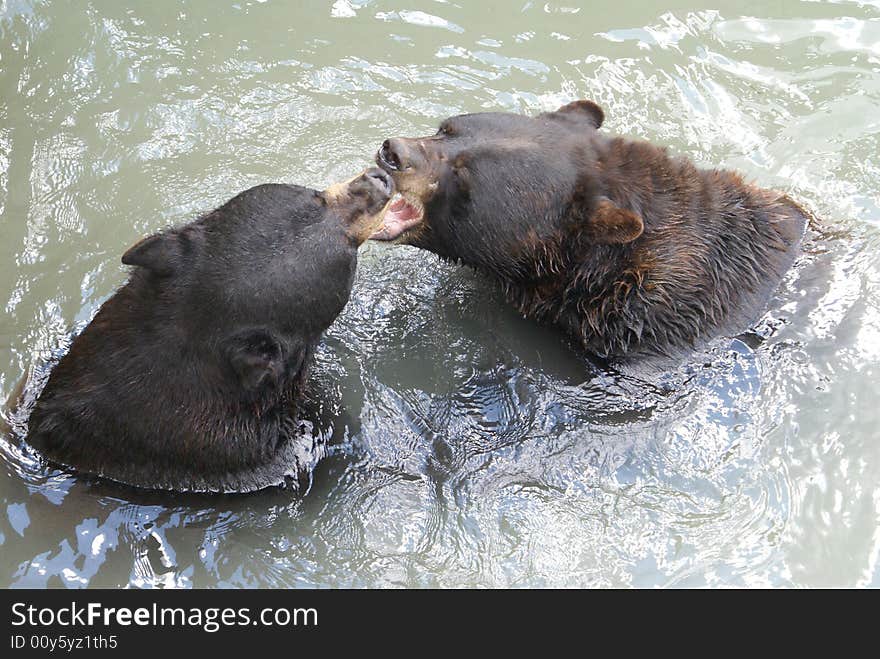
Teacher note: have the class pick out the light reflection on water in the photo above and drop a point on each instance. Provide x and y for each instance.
(481, 449)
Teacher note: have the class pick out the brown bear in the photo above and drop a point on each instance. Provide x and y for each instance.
(190, 376)
(629, 249)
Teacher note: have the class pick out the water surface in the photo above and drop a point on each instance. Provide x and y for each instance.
(480, 448)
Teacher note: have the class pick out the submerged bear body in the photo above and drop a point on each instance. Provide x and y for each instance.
(630, 250)
(190, 376)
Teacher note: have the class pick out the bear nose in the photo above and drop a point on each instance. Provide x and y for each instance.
(380, 179)
(391, 155)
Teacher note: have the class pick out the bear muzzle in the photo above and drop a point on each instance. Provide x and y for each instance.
(361, 202)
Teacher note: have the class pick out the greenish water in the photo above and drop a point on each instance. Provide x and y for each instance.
(482, 450)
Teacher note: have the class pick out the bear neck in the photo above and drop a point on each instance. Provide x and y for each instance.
(713, 250)
(194, 433)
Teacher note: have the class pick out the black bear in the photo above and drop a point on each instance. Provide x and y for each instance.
(189, 377)
(629, 249)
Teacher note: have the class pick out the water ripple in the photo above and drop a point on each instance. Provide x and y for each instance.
(477, 448)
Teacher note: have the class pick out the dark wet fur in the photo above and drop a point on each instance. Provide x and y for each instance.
(191, 376)
(630, 250)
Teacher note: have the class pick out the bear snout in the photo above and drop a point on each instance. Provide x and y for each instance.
(370, 191)
(394, 155)
(383, 182)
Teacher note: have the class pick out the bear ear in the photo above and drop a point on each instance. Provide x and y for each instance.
(257, 359)
(612, 225)
(163, 253)
(587, 109)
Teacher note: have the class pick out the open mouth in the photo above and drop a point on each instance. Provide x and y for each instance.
(386, 159)
(402, 215)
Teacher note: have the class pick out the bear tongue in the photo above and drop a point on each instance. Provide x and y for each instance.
(400, 216)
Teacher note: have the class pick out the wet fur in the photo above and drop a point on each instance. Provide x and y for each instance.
(191, 376)
(630, 250)
(712, 250)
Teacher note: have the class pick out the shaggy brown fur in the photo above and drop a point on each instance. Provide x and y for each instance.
(629, 249)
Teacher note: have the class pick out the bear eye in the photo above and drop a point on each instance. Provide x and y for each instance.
(445, 129)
